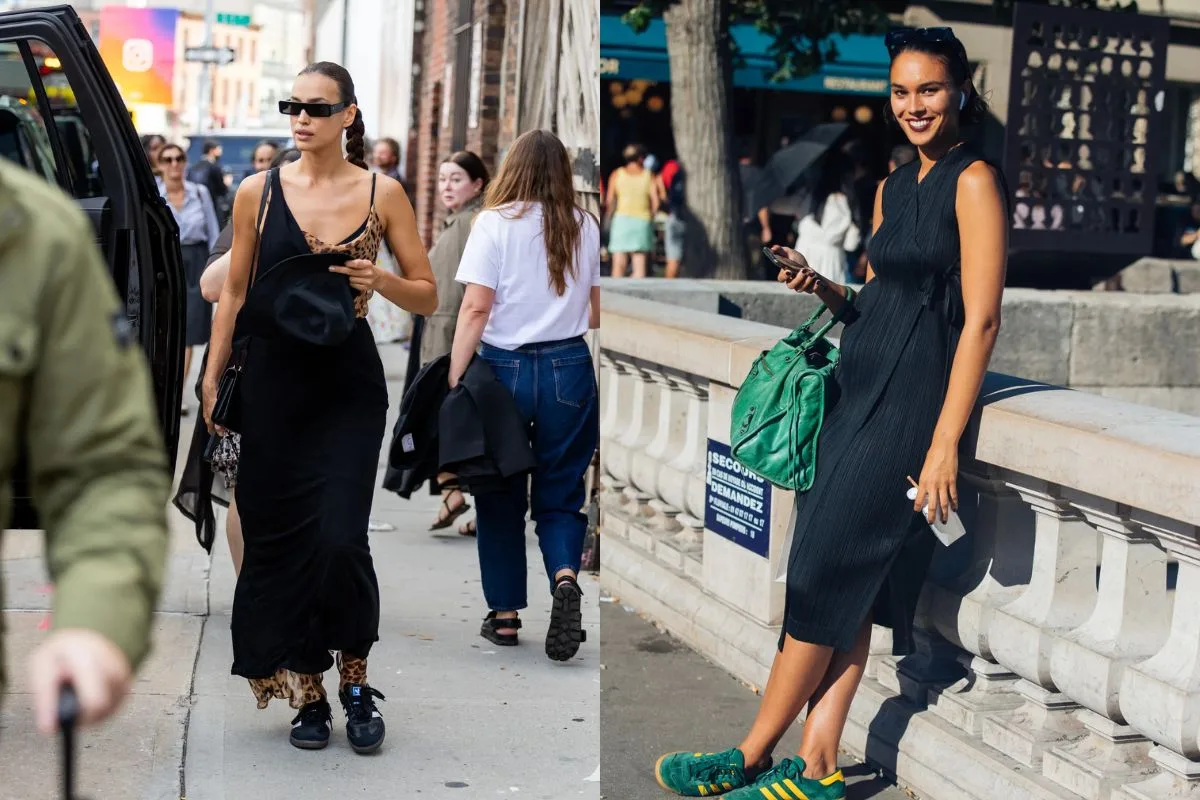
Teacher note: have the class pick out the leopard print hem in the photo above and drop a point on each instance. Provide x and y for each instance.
(297, 688)
(351, 670)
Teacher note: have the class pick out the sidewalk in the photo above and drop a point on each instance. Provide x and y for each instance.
(661, 696)
(461, 713)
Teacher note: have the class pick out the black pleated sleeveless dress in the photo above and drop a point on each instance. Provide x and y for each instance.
(313, 421)
(858, 547)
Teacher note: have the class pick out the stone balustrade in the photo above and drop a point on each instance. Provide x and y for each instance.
(1059, 643)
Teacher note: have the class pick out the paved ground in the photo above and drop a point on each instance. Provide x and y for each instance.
(658, 695)
(462, 714)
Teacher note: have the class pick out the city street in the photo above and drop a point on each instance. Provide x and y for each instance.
(461, 713)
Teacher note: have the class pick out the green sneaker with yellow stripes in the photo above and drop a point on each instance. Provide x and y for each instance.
(786, 781)
(701, 774)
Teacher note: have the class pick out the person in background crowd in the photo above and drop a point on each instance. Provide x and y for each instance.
(828, 231)
(632, 204)
(756, 222)
(388, 322)
(152, 143)
(264, 153)
(532, 273)
(198, 231)
(312, 418)
(76, 400)
(386, 157)
(462, 180)
(673, 181)
(208, 173)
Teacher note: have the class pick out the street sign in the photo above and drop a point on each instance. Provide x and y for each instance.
(210, 55)
(241, 20)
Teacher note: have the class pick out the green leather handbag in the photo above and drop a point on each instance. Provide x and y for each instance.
(781, 405)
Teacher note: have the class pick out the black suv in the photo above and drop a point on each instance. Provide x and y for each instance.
(62, 105)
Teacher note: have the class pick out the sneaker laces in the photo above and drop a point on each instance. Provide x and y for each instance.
(360, 705)
(314, 713)
(716, 772)
(792, 768)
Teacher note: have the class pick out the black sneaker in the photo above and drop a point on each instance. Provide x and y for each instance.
(310, 728)
(566, 621)
(364, 723)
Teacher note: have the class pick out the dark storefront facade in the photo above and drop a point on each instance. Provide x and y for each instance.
(635, 99)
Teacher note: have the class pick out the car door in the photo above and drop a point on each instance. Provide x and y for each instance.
(49, 66)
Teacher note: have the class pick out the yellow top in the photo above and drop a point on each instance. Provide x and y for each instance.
(633, 193)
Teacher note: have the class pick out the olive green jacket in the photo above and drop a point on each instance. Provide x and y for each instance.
(75, 390)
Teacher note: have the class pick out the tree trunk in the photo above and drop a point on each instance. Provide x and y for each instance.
(702, 120)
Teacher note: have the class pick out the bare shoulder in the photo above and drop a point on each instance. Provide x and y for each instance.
(388, 187)
(252, 184)
(979, 181)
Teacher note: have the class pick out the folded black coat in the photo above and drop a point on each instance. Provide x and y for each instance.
(442, 430)
(483, 438)
(413, 453)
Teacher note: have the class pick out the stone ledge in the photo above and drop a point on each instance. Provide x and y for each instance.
(1066, 437)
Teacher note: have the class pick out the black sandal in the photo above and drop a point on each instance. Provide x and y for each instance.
(566, 632)
(492, 627)
(452, 514)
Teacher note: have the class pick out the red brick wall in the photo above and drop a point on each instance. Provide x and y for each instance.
(433, 141)
(433, 57)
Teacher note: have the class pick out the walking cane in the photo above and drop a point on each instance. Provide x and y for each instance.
(68, 715)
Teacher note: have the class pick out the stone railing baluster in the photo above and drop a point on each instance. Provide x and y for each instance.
(1060, 596)
(1160, 696)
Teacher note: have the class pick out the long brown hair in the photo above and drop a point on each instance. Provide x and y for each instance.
(537, 169)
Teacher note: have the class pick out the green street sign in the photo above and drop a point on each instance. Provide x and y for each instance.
(242, 20)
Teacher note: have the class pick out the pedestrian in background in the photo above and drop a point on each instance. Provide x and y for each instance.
(192, 206)
(76, 402)
(386, 157)
(152, 143)
(532, 273)
(264, 153)
(674, 181)
(208, 173)
(462, 179)
(312, 417)
(633, 201)
(388, 323)
(827, 233)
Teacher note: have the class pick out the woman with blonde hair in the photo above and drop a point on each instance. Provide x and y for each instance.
(532, 272)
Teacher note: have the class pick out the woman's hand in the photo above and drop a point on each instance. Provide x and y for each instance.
(208, 400)
(939, 482)
(803, 278)
(364, 275)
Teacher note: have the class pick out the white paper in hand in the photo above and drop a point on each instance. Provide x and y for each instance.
(947, 532)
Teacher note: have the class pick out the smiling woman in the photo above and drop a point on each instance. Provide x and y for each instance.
(311, 413)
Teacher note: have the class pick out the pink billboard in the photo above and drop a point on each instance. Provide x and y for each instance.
(138, 47)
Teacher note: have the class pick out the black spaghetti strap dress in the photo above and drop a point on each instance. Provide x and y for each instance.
(858, 547)
(313, 421)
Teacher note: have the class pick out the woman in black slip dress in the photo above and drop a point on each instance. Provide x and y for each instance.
(312, 418)
(913, 357)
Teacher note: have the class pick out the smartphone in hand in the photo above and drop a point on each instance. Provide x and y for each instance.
(792, 268)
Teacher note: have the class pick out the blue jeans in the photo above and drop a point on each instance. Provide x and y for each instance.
(554, 384)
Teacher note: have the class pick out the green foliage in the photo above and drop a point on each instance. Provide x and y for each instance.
(801, 30)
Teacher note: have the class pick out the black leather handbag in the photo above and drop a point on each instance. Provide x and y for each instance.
(227, 410)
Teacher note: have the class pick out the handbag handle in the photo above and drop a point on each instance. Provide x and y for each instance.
(803, 338)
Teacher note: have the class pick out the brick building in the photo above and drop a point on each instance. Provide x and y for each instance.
(482, 76)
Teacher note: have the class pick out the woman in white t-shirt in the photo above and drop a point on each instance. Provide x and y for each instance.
(532, 273)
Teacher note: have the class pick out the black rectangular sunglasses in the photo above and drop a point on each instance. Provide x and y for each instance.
(293, 108)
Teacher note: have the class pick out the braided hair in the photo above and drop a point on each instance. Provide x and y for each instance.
(356, 146)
